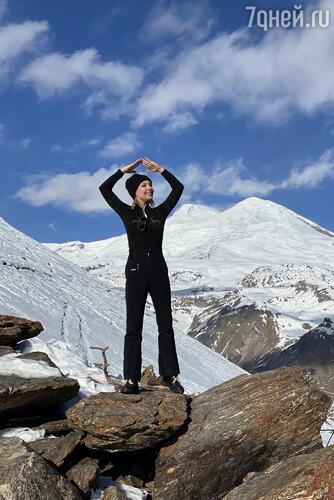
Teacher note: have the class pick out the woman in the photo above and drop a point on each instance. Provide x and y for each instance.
(146, 270)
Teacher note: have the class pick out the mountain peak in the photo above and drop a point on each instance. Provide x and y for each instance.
(254, 201)
(195, 210)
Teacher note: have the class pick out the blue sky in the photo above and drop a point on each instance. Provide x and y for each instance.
(233, 111)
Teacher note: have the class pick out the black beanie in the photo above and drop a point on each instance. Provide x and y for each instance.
(133, 182)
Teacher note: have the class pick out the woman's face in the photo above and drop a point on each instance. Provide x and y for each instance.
(145, 191)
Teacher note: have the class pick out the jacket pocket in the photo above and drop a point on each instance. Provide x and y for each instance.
(132, 266)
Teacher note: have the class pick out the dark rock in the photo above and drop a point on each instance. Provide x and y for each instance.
(24, 475)
(148, 377)
(113, 493)
(315, 349)
(308, 476)
(43, 416)
(38, 356)
(116, 421)
(58, 450)
(238, 332)
(132, 480)
(19, 394)
(84, 474)
(245, 424)
(13, 329)
(42, 445)
(54, 428)
(5, 349)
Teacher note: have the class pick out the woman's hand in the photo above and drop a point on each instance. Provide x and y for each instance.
(129, 168)
(151, 165)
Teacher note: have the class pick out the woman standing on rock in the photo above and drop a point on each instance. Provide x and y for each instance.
(146, 270)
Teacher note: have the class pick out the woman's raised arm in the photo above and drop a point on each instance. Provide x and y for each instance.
(177, 187)
(106, 188)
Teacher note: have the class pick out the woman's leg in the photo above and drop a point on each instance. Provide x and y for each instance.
(161, 297)
(136, 289)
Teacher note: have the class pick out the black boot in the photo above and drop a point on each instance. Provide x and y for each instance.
(130, 387)
(173, 384)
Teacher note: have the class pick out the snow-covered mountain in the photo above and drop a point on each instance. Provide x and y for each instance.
(246, 280)
(82, 311)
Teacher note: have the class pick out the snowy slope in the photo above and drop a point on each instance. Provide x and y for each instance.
(82, 311)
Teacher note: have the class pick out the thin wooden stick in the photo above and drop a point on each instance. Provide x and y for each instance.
(109, 379)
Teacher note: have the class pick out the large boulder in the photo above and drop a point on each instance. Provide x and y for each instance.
(245, 424)
(308, 476)
(116, 421)
(25, 475)
(18, 395)
(13, 329)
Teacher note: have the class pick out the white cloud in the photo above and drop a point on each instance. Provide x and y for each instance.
(311, 176)
(79, 192)
(177, 19)
(3, 8)
(121, 146)
(224, 180)
(269, 78)
(53, 227)
(44, 189)
(56, 148)
(17, 39)
(56, 73)
(179, 121)
(78, 146)
(25, 143)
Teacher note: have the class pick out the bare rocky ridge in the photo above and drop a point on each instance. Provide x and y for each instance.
(244, 325)
(238, 333)
(315, 349)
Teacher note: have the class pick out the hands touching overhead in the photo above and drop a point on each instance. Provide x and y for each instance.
(152, 166)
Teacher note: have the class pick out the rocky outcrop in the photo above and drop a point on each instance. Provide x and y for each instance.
(245, 424)
(116, 421)
(20, 395)
(315, 349)
(14, 329)
(25, 475)
(307, 476)
(240, 333)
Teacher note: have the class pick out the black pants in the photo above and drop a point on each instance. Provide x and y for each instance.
(147, 272)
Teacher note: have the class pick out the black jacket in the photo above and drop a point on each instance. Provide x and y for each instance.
(152, 236)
